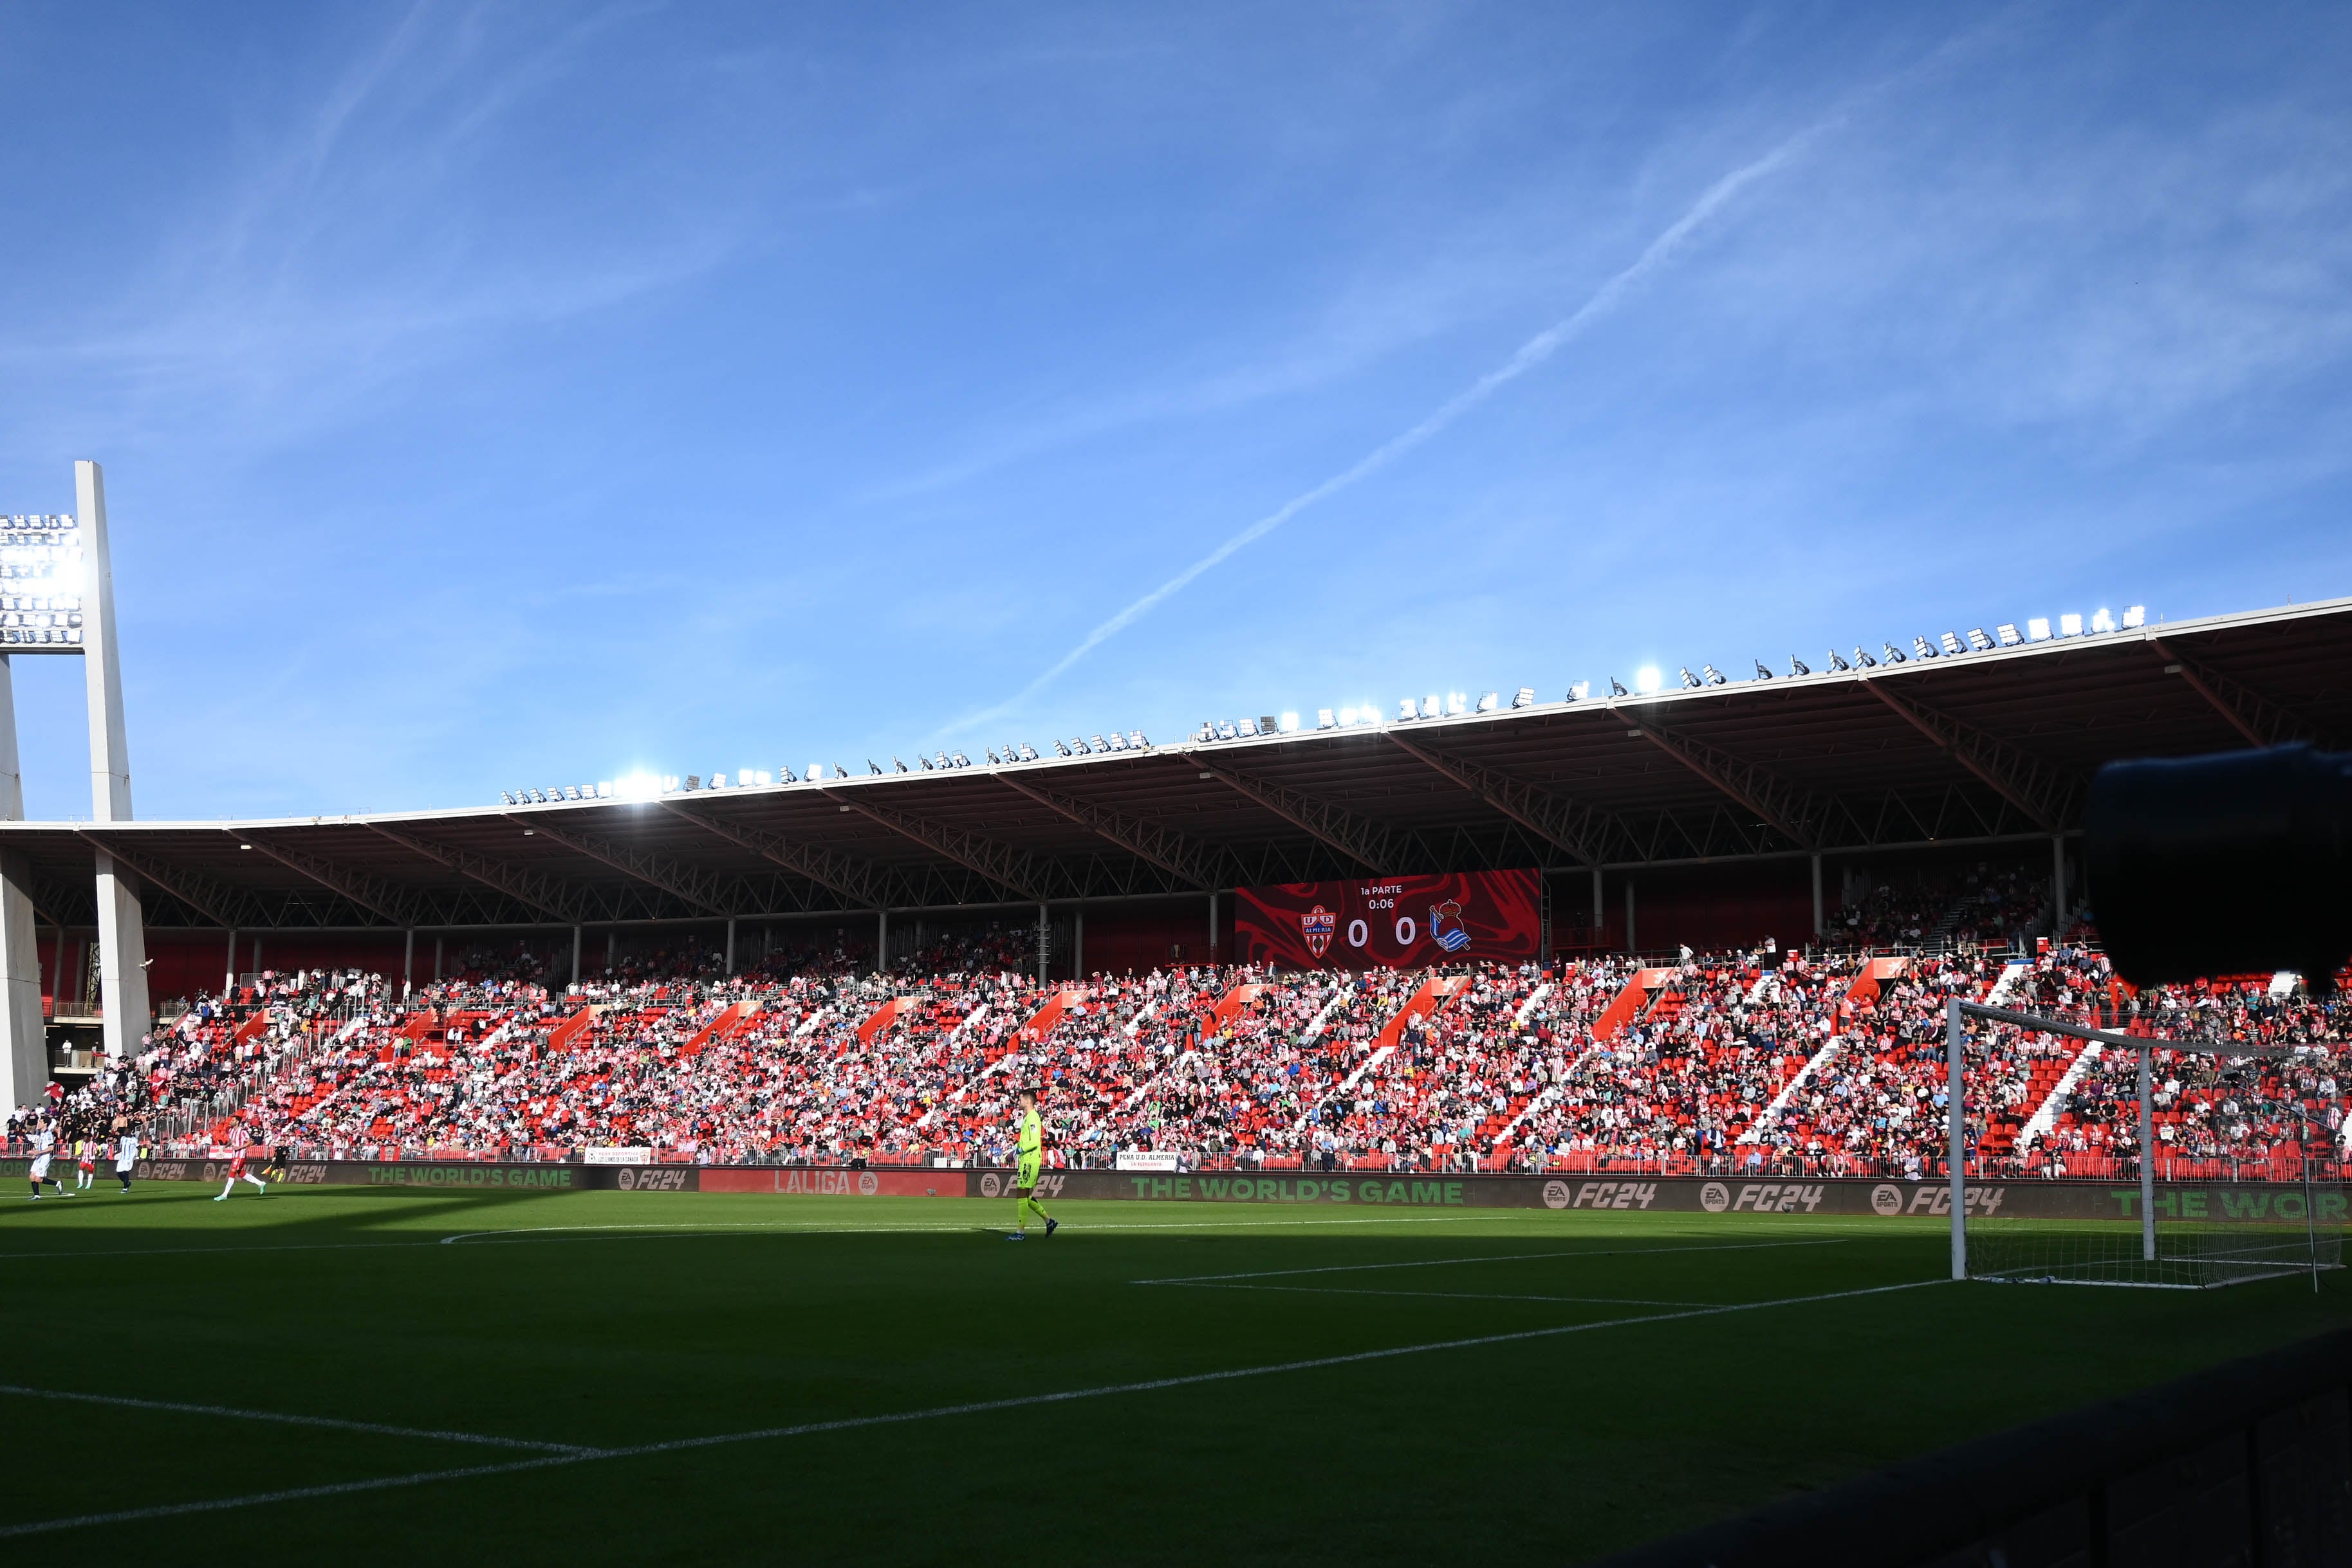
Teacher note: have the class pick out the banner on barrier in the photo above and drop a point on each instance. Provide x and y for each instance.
(1391, 922)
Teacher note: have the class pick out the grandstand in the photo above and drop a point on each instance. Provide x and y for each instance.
(861, 969)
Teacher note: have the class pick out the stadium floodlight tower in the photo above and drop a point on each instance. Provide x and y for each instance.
(56, 596)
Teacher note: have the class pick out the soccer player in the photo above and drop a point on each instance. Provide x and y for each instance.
(126, 1149)
(1024, 1178)
(85, 1163)
(235, 1169)
(40, 1170)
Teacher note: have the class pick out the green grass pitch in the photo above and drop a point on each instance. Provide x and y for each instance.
(688, 1378)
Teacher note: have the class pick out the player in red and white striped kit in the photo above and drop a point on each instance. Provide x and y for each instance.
(235, 1169)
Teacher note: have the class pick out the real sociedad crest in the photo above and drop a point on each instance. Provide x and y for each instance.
(1318, 923)
(1445, 925)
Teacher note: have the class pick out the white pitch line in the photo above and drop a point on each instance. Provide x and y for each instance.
(377, 1428)
(974, 1408)
(1447, 1295)
(1494, 1258)
(62, 1255)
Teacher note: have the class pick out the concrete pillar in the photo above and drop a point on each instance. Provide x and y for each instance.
(122, 930)
(612, 945)
(1045, 933)
(1600, 909)
(575, 953)
(436, 960)
(1817, 926)
(1213, 927)
(731, 947)
(407, 962)
(228, 959)
(24, 1035)
(2058, 881)
(881, 941)
(1632, 945)
(1079, 943)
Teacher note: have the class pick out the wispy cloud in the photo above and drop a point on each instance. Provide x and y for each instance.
(1660, 252)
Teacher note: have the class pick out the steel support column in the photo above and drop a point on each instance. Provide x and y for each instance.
(122, 933)
(2058, 884)
(1817, 893)
(1045, 933)
(575, 950)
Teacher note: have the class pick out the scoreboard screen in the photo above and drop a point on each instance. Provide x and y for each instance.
(1391, 922)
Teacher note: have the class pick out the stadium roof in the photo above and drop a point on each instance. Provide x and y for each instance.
(1974, 748)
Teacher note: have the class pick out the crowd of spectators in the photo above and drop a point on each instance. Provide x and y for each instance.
(1721, 1063)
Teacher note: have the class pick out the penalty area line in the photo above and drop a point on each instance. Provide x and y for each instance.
(376, 1428)
(1494, 1258)
(937, 1412)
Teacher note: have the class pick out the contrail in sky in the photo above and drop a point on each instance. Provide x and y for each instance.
(1531, 354)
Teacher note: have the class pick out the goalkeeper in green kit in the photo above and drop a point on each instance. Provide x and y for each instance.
(1024, 1178)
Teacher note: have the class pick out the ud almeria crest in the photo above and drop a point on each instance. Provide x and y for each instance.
(1318, 923)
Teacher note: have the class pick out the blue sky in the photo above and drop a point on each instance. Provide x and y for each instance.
(497, 395)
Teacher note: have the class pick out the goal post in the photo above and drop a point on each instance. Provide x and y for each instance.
(2196, 1236)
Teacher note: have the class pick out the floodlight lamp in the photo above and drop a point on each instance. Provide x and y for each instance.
(1924, 648)
(1690, 682)
(2037, 630)
(1407, 709)
(992, 758)
(1715, 677)
(1061, 749)
(2103, 622)
(570, 792)
(1369, 713)
(2134, 617)
(1098, 744)
(1648, 679)
(1952, 644)
(638, 787)
(1617, 688)
(1894, 653)
(2070, 626)
(1524, 698)
(670, 783)
(1456, 702)
(1583, 689)
(1837, 661)
(1136, 738)
(1347, 715)
(1324, 719)
(815, 771)
(1288, 724)
(1225, 730)
(1764, 674)
(1977, 641)
(508, 795)
(1245, 727)
(1028, 752)
(1489, 701)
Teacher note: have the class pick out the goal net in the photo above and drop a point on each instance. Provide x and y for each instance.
(2245, 1182)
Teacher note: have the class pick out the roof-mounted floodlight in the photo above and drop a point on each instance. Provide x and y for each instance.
(2104, 620)
(1979, 641)
(2070, 626)
(1325, 719)
(2134, 617)
(2038, 628)
(1489, 701)
(1583, 689)
(1524, 698)
(1837, 660)
(1797, 667)
(1952, 643)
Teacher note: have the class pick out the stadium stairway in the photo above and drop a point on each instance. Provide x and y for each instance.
(2049, 1094)
(1628, 1003)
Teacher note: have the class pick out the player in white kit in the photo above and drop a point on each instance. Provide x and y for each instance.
(44, 1143)
(126, 1152)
